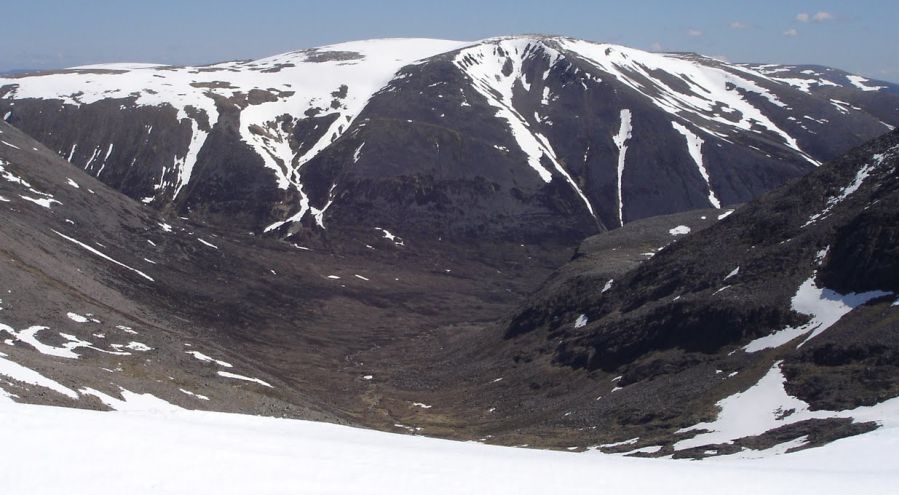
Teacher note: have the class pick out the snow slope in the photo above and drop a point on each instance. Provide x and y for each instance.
(152, 449)
(704, 91)
(766, 406)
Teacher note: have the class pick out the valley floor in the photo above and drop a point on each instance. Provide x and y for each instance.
(151, 448)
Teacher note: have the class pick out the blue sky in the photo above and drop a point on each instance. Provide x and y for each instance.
(860, 36)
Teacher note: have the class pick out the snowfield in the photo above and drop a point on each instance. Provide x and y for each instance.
(153, 449)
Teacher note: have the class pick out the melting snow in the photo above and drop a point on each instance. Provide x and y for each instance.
(701, 90)
(484, 65)
(733, 273)
(205, 243)
(694, 147)
(581, 321)
(138, 347)
(244, 378)
(679, 230)
(390, 237)
(29, 336)
(621, 443)
(206, 359)
(44, 202)
(766, 405)
(23, 374)
(125, 329)
(621, 139)
(862, 174)
(107, 258)
(77, 318)
(197, 396)
(859, 82)
(825, 307)
(132, 402)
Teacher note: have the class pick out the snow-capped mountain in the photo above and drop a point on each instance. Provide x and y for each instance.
(658, 338)
(510, 137)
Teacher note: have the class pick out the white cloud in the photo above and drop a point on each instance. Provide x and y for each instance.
(816, 17)
(656, 46)
(738, 25)
(695, 33)
(791, 32)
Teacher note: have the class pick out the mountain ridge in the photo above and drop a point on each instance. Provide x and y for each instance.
(285, 165)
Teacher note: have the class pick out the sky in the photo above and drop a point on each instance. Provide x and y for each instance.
(859, 36)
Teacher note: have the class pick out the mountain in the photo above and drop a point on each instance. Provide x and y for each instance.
(422, 202)
(104, 299)
(845, 91)
(513, 139)
(776, 325)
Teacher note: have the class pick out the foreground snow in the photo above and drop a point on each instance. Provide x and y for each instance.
(163, 450)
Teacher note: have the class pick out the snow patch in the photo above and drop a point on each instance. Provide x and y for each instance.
(44, 202)
(860, 176)
(98, 253)
(235, 376)
(608, 286)
(625, 131)
(766, 406)
(859, 82)
(825, 307)
(207, 243)
(694, 147)
(27, 375)
(581, 321)
(206, 359)
(194, 395)
(77, 318)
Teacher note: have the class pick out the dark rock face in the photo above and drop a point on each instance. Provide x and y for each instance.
(700, 299)
(684, 298)
(866, 254)
(854, 363)
(450, 147)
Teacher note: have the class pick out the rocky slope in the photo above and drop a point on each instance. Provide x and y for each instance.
(517, 138)
(785, 310)
(651, 340)
(102, 297)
